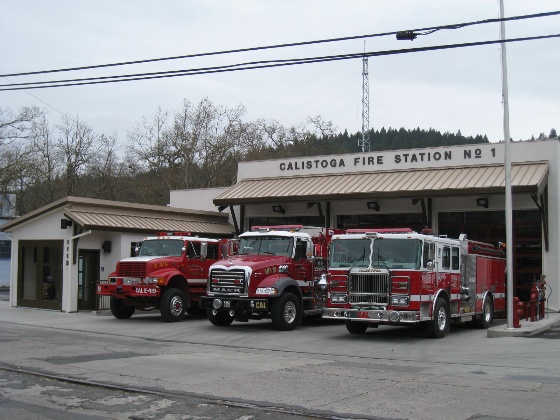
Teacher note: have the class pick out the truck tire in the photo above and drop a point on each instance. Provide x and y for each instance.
(286, 312)
(119, 309)
(172, 305)
(437, 327)
(356, 327)
(487, 316)
(221, 319)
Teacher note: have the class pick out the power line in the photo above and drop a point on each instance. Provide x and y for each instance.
(253, 65)
(420, 31)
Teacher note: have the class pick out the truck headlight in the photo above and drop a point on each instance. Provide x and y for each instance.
(399, 300)
(266, 291)
(338, 298)
(155, 280)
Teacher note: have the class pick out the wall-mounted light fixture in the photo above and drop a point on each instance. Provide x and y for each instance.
(373, 205)
(482, 202)
(64, 223)
(278, 209)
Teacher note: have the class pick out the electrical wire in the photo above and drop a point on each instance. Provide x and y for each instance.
(420, 31)
(253, 65)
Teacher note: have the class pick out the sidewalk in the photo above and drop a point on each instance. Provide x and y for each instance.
(528, 328)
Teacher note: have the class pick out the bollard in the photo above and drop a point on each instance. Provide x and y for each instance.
(542, 296)
(517, 312)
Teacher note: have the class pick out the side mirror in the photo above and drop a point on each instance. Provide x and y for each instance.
(323, 282)
(203, 251)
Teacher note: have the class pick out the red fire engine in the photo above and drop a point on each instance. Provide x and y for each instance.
(275, 275)
(399, 277)
(169, 273)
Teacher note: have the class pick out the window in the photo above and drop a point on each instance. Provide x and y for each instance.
(445, 259)
(455, 258)
(5, 250)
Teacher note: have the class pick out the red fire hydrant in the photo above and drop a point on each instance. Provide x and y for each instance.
(533, 300)
(518, 309)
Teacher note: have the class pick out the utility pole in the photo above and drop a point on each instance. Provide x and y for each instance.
(507, 172)
(364, 142)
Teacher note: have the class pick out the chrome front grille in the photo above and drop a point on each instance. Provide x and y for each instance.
(227, 281)
(368, 288)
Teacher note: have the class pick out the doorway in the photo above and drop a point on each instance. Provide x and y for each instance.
(39, 280)
(88, 274)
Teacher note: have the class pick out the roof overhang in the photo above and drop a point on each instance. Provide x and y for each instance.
(94, 214)
(526, 177)
(90, 220)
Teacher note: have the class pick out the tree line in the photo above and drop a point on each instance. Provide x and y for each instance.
(196, 146)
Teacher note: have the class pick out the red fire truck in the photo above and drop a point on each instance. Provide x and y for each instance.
(399, 277)
(169, 273)
(275, 275)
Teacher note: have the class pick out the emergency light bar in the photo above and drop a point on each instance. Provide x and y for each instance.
(286, 228)
(177, 233)
(385, 230)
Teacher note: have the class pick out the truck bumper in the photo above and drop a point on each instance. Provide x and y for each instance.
(235, 304)
(128, 291)
(380, 316)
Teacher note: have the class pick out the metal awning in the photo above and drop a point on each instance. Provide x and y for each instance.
(145, 223)
(529, 177)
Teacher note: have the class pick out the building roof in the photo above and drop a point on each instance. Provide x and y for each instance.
(131, 217)
(462, 180)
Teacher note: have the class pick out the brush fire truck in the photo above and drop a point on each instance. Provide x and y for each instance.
(399, 277)
(275, 275)
(169, 273)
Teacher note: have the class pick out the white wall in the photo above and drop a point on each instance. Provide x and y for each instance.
(47, 227)
(200, 199)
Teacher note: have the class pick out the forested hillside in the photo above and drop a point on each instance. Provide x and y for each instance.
(197, 146)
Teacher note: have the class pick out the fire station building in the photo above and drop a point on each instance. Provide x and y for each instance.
(453, 190)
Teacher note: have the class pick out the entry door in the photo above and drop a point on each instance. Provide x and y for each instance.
(88, 274)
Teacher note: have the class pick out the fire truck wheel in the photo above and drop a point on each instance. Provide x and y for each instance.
(119, 309)
(487, 316)
(172, 306)
(437, 327)
(285, 312)
(221, 319)
(356, 327)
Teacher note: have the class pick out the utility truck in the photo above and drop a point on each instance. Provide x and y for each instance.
(169, 273)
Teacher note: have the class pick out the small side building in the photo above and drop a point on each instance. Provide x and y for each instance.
(60, 251)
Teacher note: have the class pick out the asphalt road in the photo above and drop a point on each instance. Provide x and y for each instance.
(143, 368)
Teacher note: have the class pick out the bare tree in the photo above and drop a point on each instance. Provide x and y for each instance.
(76, 147)
(15, 149)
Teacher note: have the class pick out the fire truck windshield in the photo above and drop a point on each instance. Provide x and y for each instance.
(379, 253)
(161, 247)
(266, 245)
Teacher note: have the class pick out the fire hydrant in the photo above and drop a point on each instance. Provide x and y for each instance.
(533, 300)
(518, 309)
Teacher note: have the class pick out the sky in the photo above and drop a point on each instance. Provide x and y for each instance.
(447, 90)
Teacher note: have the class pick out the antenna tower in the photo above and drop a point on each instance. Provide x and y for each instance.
(364, 142)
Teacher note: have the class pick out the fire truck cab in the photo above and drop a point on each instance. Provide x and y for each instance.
(400, 277)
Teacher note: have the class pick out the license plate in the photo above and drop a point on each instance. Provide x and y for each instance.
(260, 305)
(146, 290)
